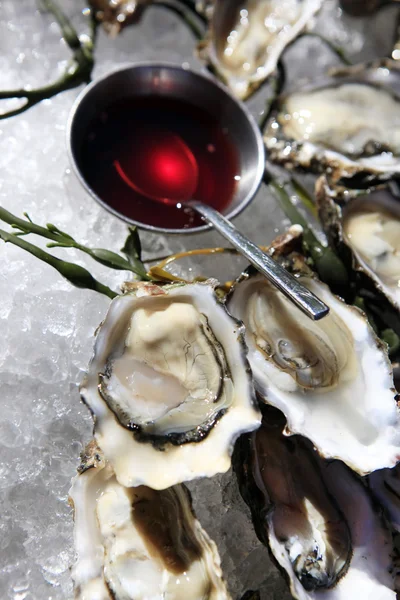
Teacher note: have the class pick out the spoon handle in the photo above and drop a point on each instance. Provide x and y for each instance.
(312, 306)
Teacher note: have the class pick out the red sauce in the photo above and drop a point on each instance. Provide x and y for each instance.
(169, 149)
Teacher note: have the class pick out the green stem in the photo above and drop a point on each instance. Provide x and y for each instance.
(78, 70)
(107, 258)
(68, 32)
(291, 211)
(27, 225)
(304, 196)
(328, 265)
(75, 274)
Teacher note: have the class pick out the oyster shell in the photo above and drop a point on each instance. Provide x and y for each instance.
(331, 378)
(332, 127)
(169, 385)
(292, 510)
(366, 232)
(137, 543)
(316, 517)
(247, 38)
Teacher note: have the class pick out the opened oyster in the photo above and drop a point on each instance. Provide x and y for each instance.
(137, 543)
(169, 385)
(332, 126)
(316, 517)
(247, 38)
(331, 378)
(366, 232)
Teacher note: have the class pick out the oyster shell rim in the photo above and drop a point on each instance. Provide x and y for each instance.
(310, 157)
(186, 459)
(332, 205)
(295, 262)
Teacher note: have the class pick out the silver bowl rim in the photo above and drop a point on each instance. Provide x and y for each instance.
(170, 65)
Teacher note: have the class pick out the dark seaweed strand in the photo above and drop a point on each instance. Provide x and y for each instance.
(200, 432)
(78, 71)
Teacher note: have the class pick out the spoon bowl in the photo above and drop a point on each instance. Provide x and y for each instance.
(174, 170)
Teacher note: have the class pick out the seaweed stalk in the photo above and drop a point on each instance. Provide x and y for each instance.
(75, 274)
(78, 70)
(61, 239)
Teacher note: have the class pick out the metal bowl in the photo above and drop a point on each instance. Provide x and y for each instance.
(174, 82)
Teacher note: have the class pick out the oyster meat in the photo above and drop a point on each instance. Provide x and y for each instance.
(247, 37)
(332, 126)
(316, 517)
(169, 385)
(137, 543)
(367, 228)
(331, 378)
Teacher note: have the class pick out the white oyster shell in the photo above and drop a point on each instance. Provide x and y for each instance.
(369, 226)
(169, 385)
(374, 233)
(247, 38)
(369, 575)
(137, 544)
(334, 127)
(332, 378)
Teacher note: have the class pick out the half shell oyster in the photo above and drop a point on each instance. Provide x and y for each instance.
(332, 126)
(169, 385)
(316, 517)
(366, 232)
(137, 543)
(331, 378)
(247, 37)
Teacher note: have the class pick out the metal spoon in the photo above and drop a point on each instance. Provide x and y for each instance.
(179, 160)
